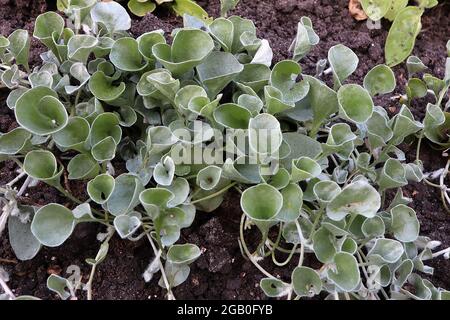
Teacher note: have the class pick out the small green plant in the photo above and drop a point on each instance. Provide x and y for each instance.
(313, 164)
(181, 7)
(405, 27)
(139, 8)
(437, 116)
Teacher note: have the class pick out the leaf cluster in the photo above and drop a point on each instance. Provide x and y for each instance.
(102, 96)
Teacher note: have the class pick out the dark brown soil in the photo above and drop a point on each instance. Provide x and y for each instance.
(222, 272)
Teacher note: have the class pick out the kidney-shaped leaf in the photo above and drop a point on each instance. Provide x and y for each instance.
(265, 135)
(126, 225)
(380, 80)
(22, 240)
(392, 175)
(355, 103)
(325, 191)
(80, 47)
(42, 165)
(48, 29)
(14, 141)
(125, 195)
(74, 135)
(385, 251)
(39, 111)
(231, 115)
(101, 188)
(189, 48)
(53, 224)
(346, 274)
(112, 15)
(105, 125)
(292, 203)
(19, 46)
(217, 71)
(209, 177)
(125, 55)
(402, 35)
(304, 168)
(358, 197)
(103, 88)
(274, 288)
(183, 253)
(155, 199)
(405, 224)
(343, 62)
(164, 171)
(283, 78)
(373, 227)
(324, 245)
(306, 282)
(146, 42)
(82, 166)
(261, 202)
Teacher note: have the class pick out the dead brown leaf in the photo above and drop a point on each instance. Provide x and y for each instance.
(354, 6)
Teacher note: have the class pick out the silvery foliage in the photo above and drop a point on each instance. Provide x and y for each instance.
(102, 95)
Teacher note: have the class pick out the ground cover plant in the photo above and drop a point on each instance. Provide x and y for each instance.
(313, 162)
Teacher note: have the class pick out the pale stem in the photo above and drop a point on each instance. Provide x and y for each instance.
(247, 252)
(157, 253)
(440, 253)
(13, 181)
(214, 194)
(444, 193)
(6, 289)
(302, 246)
(24, 186)
(94, 267)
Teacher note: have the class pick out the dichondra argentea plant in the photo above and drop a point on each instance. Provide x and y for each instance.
(313, 163)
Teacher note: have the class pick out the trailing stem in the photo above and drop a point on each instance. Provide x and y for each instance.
(157, 253)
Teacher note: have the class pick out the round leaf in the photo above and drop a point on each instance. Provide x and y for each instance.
(209, 177)
(380, 80)
(385, 251)
(126, 225)
(274, 288)
(343, 62)
(183, 253)
(101, 188)
(346, 274)
(356, 198)
(405, 224)
(189, 48)
(39, 111)
(261, 202)
(22, 240)
(306, 282)
(53, 224)
(125, 55)
(292, 203)
(125, 195)
(112, 15)
(355, 103)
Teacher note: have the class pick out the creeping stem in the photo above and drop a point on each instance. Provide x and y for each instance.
(247, 252)
(214, 194)
(161, 267)
(94, 267)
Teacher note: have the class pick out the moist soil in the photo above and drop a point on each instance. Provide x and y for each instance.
(221, 272)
